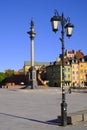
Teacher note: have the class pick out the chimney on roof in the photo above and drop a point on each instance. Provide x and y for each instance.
(80, 50)
(66, 52)
(74, 52)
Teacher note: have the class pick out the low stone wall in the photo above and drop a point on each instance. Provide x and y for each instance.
(12, 85)
(76, 117)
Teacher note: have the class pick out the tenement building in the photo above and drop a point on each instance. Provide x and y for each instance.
(75, 64)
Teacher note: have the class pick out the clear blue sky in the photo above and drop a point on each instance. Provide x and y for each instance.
(15, 16)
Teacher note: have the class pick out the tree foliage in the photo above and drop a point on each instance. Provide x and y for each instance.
(9, 73)
(2, 76)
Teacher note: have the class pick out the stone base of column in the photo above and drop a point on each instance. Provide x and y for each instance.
(33, 77)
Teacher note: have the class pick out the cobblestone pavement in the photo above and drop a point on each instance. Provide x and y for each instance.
(25, 109)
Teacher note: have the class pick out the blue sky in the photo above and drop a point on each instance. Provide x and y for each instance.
(15, 17)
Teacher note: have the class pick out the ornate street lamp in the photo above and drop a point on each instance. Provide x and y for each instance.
(65, 23)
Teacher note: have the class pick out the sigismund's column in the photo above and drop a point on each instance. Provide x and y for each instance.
(32, 70)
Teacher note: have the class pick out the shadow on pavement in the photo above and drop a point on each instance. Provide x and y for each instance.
(50, 122)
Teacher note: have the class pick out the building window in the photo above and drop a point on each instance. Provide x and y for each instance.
(73, 72)
(69, 76)
(81, 71)
(76, 72)
(84, 71)
(68, 69)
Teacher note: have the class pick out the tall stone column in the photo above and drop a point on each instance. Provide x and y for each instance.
(32, 70)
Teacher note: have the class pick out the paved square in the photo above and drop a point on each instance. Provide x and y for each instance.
(36, 109)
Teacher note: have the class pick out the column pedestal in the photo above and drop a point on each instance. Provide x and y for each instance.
(33, 77)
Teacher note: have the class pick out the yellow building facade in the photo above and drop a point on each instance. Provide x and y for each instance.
(27, 65)
(68, 76)
(54, 75)
(75, 74)
(82, 73)
(79, 73)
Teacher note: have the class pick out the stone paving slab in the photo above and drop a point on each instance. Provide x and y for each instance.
(36, 109)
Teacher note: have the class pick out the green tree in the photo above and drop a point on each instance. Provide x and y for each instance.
(9, 73)
(2, 76)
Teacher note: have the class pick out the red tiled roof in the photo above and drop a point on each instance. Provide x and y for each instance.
(79, 55)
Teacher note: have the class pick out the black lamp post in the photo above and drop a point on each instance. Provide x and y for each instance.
(65, 23)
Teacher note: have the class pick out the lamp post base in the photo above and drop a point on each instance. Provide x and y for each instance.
(63, 113)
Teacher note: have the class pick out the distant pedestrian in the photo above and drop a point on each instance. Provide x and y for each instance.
(69, 90)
